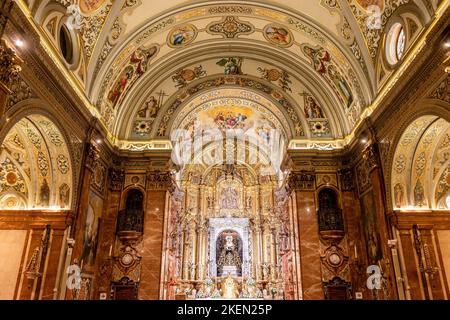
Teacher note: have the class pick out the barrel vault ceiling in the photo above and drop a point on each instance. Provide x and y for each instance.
(316, 66)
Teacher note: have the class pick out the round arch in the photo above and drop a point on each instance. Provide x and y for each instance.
(420, 164)
(423, 108)
(37, 159)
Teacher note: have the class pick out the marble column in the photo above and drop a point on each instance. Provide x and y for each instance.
(257, 250)
(295, 244)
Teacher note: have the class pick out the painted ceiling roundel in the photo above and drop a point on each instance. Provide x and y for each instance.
(320, 62)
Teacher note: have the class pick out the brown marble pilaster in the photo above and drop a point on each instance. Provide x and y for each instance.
(158, 184)
(433, 278)
(412, 270)
(51, 271)
(309, 246)
(371, 156)
(107, 232)
(152, 245)
(92, 155)
(352, 218)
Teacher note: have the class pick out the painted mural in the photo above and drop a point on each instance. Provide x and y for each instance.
(231, 65)
(181, 36)
(89, 6)
(278, 35)
(370, 227)
(135, 68)
(325, 66)
(233, 117)
(90, 232)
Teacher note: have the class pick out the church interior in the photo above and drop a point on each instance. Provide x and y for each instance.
(198, 150)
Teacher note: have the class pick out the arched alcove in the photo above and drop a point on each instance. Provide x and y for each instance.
(35, 166)
(420, 174)
(131, 219)
(330, 215)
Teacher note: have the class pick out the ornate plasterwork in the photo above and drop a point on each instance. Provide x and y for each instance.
(218, 225)
(229, 98)
(31, 177)
(20, 91)
(442, 92)
(230, 27)
(124, 79)
(372, 24)
(9, 65)
(91, 26)
(418, 173)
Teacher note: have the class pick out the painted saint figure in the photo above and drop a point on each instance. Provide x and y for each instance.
(278, 35)
(398, 194)
(232, 66)
(341, 84)
(150, 108)
(320, 58)
(312, 109)
(44, 195)
(229, 199)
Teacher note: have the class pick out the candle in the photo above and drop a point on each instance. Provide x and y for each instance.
(356, 253)
(110, 250)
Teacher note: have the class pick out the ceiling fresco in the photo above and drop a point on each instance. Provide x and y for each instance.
(140, 62)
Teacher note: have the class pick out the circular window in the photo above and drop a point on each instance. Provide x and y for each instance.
(65, 43)
(395, 44)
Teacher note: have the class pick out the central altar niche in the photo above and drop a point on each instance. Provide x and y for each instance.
(229, 247)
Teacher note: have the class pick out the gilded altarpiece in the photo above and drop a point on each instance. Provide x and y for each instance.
(226, 223)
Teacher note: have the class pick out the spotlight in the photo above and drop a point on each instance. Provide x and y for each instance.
(18, 43)
(363, 141)
(98, 141)
(447, 44)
